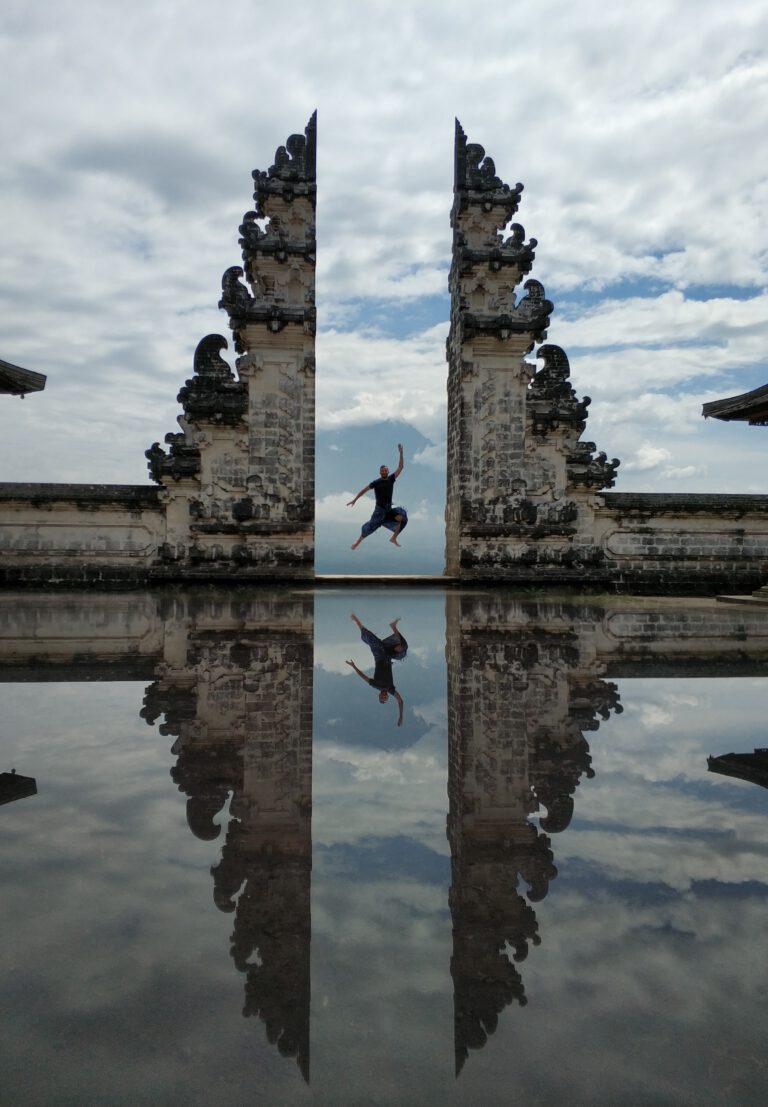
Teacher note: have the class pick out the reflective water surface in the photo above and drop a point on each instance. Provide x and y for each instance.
(382, 847)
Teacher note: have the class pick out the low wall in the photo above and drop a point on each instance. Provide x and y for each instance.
(686, 543)
(67, 534)
(115, 535)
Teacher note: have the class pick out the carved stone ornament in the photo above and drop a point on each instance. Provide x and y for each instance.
(551, 398)
(182, 460)
(242, 308)
(213, 395)
(529, 316)
(475, 177)
(589, 469)
(511, 252)
(273, 241)
(294, 172)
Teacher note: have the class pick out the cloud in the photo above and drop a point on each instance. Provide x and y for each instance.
(126, 172)
(647, 457)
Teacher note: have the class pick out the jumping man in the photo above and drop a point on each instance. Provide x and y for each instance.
(384, 515)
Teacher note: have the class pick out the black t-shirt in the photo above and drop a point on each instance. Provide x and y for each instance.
(382, 676)
(382, 490)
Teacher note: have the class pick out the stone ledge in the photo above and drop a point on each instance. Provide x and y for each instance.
(685, 503)
(124, 495)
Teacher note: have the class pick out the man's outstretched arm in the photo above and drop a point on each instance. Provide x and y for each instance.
(359, 672)
(400, 462)
(362, 492)
(399, 699)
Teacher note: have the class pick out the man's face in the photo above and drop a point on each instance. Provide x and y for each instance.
(383, 471)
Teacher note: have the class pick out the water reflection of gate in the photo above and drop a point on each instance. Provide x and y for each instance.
(521, 693)
(233, 678)
(235, 689)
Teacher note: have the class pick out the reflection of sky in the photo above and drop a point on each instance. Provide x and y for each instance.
(648, 985)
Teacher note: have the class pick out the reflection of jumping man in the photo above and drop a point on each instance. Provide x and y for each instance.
(392, 648)
(384, 514)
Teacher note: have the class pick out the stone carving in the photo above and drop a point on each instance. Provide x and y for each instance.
(182, 460)
(552, 400)
(509, 425)
(589, 469)
(294, 171)
(476, 173)
(285, 197)
(213, 395)
(235, 297)
(244, 460)
(529, 316)
(512, 252)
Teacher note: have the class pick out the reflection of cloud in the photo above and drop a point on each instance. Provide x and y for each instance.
(400, 792)
(654, 715)
(663, 711)
(433, 713)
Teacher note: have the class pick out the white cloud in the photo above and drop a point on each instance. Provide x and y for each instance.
(647, 457)
(432, 456)
(333, 508)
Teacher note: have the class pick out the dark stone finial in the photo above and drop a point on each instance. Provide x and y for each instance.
(235, 297)
(213, 394)
(294, 171)
(208, 361)
(475, 174)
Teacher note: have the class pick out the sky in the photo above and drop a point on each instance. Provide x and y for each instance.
(129, 137)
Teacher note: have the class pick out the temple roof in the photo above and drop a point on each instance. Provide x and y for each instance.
(15, 381)
(750, 407)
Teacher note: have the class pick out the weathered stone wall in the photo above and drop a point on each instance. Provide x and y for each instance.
(69, 534)
(525, 499)
(239, 478)
(683, 543)
(236, 483)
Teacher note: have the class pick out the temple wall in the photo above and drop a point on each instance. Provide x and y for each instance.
(236, 496)
(526, 499)
(69, 534)
(683, 543)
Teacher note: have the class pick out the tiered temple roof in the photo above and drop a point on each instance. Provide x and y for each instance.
(15, 381)
(749, 407)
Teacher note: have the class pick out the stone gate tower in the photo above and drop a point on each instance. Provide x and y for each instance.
(239, 484)
(521, 486)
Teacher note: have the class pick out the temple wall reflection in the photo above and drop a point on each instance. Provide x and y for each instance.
(521, 693)
(235, 691)
(526, 683)
(118, 634)
(232, 689)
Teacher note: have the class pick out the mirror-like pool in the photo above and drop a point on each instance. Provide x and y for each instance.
(382, 846)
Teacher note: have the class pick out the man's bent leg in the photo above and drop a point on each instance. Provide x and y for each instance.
(375, 521)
